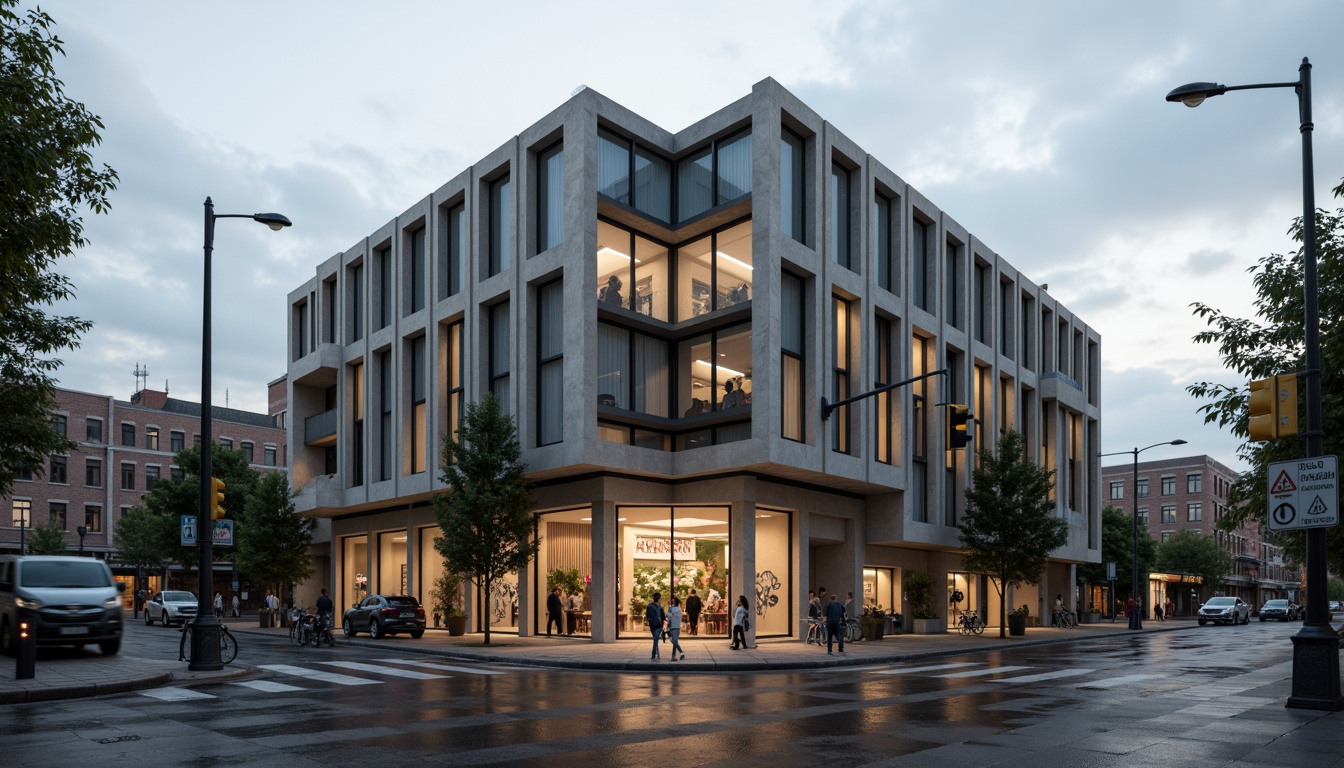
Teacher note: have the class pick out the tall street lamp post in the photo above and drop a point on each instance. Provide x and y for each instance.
(205, 636)
(1316, 645)
(1136, 615)
(81, 530)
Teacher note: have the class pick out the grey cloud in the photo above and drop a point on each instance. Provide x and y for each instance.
(1206, 261)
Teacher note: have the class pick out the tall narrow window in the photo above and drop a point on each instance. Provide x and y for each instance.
(455, 378)
(791, 356)
(357, 407)
(882, 250)
(23, 514)
(356, 303)
(416, 256)
(613, 167)
(176, 440)
(128, 477)
(550, 363)
(1006, 318)
(952, 278)
(128, 435)
(383, 259)
(457, 248)
(499, 356)
(151, 477)
(919, 446)
(980, 307)
(840, 215)
(93, 473)
(93, 519)
(550, 197)
(501, 225)
(791, 175)
(733, 160)
(653, 185)
(840, 368)
(58, 424)
(58, 470)
(385, 415)
(56, 513)
(152, 438)
(695, 184)
(883, 376)
(919, 259)
(93, 430)
(419, 409)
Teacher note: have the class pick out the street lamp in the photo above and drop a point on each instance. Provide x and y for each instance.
(205, 637)
(1135, 616)
(1316, 645)
(81, 530)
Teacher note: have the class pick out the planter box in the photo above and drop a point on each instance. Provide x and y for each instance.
(1092, 617)
(1017, 625)
(264, 620)
(928, 627)
(457, 626)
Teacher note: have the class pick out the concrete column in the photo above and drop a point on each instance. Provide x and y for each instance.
(742, 561)
(1071, 596)
(606, 566)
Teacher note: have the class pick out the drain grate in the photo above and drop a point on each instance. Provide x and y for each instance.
(118, 739)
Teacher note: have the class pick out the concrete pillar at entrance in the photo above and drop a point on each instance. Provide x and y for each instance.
(742, 561)
(606, 566)
(1071, 596)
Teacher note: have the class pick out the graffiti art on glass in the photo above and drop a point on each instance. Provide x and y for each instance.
(767, 583)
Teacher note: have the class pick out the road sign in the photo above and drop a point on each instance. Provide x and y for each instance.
(188, 530)
(222, 531)
(1304, 494)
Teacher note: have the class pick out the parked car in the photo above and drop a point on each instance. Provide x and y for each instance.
(1336, 605)
(1224, 610)
(69, 600)
(1280, 610)
(171, 607)
(381, 615)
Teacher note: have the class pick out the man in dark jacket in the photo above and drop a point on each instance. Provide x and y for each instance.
(555, 612)
(693, 609)
(654, 619)
(835, 618)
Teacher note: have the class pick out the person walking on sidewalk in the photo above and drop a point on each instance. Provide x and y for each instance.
(740, 624)
(835, 619)
(235, 605)
(654, 618)
(555, 612)
(674, 628)
(693, 608)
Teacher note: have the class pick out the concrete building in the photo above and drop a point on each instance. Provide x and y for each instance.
(124, 448)
(663, 313)
(1190, 494)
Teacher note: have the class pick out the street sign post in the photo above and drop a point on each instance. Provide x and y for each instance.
(1304, 494)
(221, 532)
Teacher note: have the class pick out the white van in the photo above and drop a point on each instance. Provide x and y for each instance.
(70, 600)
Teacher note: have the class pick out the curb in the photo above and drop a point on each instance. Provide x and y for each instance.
(84, 690)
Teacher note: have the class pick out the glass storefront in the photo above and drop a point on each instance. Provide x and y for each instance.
(968, 586)
(774, 574)
(673, 550)
(354, 584)
(565, 560)
(501, 606)
(429, 567)
(392, 576)
(879, 589)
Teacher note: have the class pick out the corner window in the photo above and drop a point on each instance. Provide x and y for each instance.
(633, 272)
(620, 160)
(715, 175)
(550, 363)
(715, 272)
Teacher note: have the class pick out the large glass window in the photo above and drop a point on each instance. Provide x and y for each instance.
(720, 173)
(633, 371)
(617, 160)
(354, 572)
(357, 426)
(499, 356)
(774, 574)
(919, 258)
(919, 403)
(419, 409)
(653, 184)
(383, 258)
(733, 266)
(625, 259)
(550, 197)
(501, 225)
(355, 303)
(392, 576)
(952, 310)
(715, 272)
(883, 252)
(695, 184)
(415, 255)
(840, 215)
(565, 560)
(455, 250)
(716, 371)
(501, 605)
(883, 376)
(791, 356)
(550, 363)
(791, 176)
(734, 168)
(674, 551)
(613, 167)
(840, 368)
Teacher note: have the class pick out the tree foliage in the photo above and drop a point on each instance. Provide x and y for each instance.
(146, 540)
(1117, 546)
(486, 516)
(1273, 343)
(47, 177)
(1009, 527)
(272, 545)
(170, 499)
(47, 539)
(1191, 553)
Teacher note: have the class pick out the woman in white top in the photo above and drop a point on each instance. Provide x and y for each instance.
(674, 628)
(740, 624)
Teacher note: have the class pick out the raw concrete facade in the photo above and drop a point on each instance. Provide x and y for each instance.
(619, 405)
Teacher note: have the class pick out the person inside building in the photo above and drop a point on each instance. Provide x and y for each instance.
(611, 293)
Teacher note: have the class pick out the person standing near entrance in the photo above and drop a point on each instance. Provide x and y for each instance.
(740, 624)
(554, 613)
(654, 618)
(235, 605)
(674, 628)
(693, 608)
(835, 619)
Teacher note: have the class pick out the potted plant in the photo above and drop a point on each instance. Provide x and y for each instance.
(1017, 621)
(872, 621)
(264, 617)
(919, 602)
(446, 595)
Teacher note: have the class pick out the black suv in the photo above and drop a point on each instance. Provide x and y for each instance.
(385, 615)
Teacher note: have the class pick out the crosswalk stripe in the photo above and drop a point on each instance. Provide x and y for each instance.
(933, 668)
(269, 686)
(381, 670)
(175, 694)
(322, 676)
(980, 672)
(1112, 682)
(446, 667)
(1043, 676)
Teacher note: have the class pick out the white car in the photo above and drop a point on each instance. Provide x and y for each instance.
(171, 607)
(1225, 610)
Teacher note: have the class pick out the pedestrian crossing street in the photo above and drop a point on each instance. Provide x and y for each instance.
(1005, 674)
(324, 673)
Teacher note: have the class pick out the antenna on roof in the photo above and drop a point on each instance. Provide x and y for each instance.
(165, 386)
(140, 373)
(226, 397)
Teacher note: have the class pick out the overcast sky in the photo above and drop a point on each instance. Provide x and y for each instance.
(1039, 126)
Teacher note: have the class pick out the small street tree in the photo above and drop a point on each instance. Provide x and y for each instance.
(486, 516)
(1009, 529)
(1117, 546)
(272, 545)
(1190, 553)
(48, 539)
(170, 499)
(146, 540)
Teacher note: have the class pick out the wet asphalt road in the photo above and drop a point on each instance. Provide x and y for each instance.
(1112, 702)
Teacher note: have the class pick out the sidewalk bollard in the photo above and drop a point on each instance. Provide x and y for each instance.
(25, 661)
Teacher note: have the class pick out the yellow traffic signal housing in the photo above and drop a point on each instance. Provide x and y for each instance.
(958, 418)
(216, 498)
(1273, 408)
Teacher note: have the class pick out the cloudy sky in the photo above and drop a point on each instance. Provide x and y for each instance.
(1040, 126)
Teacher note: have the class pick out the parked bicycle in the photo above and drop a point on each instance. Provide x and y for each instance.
(228, 647)
(970, 623)
(1066, 619)
(816, 631)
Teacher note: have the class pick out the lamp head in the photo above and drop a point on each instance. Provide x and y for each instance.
(1177, 442)
(275, 221)
(1194, 94)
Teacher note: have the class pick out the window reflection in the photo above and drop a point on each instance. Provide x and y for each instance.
(733, 266)
(719, 372)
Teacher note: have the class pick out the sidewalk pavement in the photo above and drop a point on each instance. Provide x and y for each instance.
(96, 675)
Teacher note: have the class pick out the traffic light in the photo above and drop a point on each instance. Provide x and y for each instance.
(1273, 407)
(958, 418)
(216, 498)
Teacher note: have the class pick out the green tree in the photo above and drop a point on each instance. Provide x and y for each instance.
(1009, 527)
(48, 539)
(47, 176)
(1191, 553)
(486, 516)
(1270, 344)
(1117, 546)
(272, 545)
(170, 499)
(147, 540)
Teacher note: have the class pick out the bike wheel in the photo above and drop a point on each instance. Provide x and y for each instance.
(978, 626)
(228, 647)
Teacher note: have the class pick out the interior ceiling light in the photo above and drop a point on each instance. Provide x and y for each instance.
(605, 251)
(736, 261)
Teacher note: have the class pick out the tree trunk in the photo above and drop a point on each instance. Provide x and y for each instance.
(1003, 610)
(486, 608)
